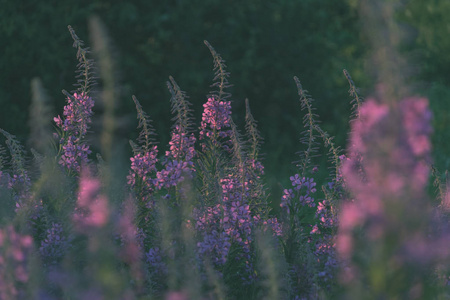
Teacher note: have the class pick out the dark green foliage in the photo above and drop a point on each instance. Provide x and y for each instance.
(311, 133)
(440, 106)
(428, 43)
(17, 153)
(3, 159)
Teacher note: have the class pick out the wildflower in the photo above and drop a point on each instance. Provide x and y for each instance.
(131, 238)
(215, 243)
(216, 120)
(15, 250)
(74, 126)
(154, 260)
(55, 244)
(143, 165)
(390, 145)
(176, 296)
(181, 145)
(171, 175)
(92, 208)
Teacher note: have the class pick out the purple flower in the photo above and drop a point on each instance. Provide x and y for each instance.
(181, 145)
(154, 260)
(324, 215)
(306, 185)
(214, 243)
(271, 223)
(77, 113)
(55, 244)
(143, 172)
(216, 114)
(288, 195)
(216, 120)
(171, 175)
(74, 126)
(295, 180)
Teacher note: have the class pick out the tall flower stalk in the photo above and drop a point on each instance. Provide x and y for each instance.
(76, 120)
(384, 228)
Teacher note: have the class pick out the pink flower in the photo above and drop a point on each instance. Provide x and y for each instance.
(92, 208)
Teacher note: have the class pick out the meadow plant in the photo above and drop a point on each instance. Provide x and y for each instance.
(196, 220)
(15, 253)
(389, 145)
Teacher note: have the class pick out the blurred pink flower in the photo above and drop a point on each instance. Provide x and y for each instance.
(176, 296)
(92, 209)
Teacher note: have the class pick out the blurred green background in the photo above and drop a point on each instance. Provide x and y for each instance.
(265, 44)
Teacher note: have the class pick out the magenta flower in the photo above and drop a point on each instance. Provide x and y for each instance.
(92, 209)
(181, 145)
(172, 174)
(130, 237)
(142, 176)
(216, 120)
(74, 126)
(15, 250)
(386, 174)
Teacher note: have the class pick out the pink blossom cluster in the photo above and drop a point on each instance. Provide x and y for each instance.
(181, 145)
(15, 250)
(74, 126)
(216, 121)
(92, 209)
(394, 162)
(143, 168)
(390, 145)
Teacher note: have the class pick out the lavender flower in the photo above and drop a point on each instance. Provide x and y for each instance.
(142, 177)
(178, 161)
(215, 242)
(216, 120)
(55, 244)
(172, 174)
(271, 223)
(143, 165)
(307, 185)
(154, 260)
(181, 145)
(74, 126)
